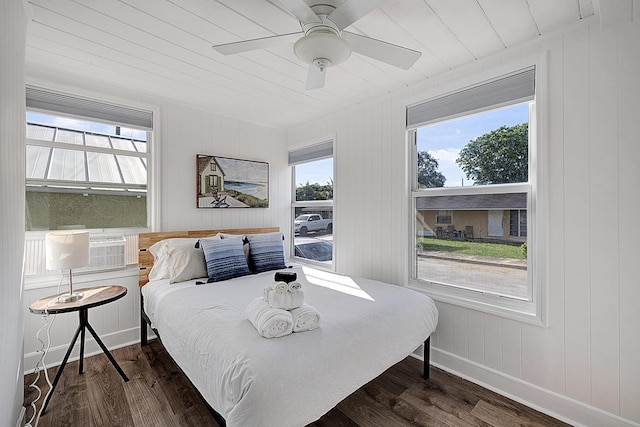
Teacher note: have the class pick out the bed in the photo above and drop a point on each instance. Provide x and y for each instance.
(248, 380)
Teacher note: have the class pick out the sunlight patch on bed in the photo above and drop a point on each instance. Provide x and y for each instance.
(335, 282)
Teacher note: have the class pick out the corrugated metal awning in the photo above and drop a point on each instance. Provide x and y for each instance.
(58, 158)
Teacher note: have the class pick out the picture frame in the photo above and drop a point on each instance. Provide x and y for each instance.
(225, 182)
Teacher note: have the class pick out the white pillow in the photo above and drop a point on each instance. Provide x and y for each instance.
(160, 252)
(185, 262)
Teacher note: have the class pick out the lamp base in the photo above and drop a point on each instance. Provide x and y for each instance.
(71, 297)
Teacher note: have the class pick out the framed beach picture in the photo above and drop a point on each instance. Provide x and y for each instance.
(223, 182)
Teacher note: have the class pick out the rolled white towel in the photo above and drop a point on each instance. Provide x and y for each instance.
(295, 287)
(276, 287)
(280, 287)
(305, 318)
(285, 301)
(269, 322)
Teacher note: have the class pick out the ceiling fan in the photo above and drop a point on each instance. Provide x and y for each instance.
(323, 43)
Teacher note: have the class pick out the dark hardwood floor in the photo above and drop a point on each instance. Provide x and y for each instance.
(158, 394)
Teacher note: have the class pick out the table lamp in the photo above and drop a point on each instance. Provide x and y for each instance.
(67, 250)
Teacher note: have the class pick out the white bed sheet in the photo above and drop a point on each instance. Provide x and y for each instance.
(367, 326)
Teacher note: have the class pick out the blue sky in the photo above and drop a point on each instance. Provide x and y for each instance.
(75, 124)
(444, 140)
(319, 172)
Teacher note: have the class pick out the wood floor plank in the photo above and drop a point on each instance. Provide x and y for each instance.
(366, 412)
(104, 394)
(496, 416)
(147, 403)
(178, 390)
(159, 395)
(420, 395)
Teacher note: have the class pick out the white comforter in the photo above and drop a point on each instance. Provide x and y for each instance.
(367, 326)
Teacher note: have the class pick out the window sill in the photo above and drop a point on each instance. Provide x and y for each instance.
(315, 264)
(510, 308)
(53, 279)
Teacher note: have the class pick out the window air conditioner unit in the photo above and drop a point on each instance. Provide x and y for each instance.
(106, 253)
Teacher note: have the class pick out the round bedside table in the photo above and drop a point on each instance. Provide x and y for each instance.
(93, 297)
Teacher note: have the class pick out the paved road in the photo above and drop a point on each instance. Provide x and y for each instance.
(494, 278)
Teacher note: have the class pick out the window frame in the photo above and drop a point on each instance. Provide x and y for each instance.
(153, 145)
(533, 311)
(309, 150)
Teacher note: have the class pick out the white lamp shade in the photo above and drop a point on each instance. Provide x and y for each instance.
(322, 45)
(67, 249)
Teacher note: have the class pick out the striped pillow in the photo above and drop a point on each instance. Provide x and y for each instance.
(225, 258)
(266, 252)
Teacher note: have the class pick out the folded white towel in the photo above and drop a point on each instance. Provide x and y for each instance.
(269, 322)
(305, 318)
(285, 301)
(295, 286)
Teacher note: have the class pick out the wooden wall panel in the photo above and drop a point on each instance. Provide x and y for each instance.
(604, 230)
(460, 331)
(445, 327)
(188, 132)
(577, 216)
(492, 342)
(512, 338)
(476, 337)
(13, 28)
(628, 208)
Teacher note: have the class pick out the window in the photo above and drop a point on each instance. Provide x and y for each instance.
(444, 217)
(312, 203)
(472, 192)
(518, 223)
(87, 163)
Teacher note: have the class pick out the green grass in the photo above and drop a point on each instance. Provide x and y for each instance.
(464, 247)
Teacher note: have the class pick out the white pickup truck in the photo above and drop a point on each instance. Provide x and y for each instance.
(311, 222)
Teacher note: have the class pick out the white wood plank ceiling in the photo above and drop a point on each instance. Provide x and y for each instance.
(163, 48)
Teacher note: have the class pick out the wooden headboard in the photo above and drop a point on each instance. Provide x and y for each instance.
(145, 240)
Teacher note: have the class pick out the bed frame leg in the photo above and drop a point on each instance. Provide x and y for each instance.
(427, 353)
(143, 324)
(143, 332)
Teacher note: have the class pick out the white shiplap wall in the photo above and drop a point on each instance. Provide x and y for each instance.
(186, 132)
(583, 366)
(13, 30)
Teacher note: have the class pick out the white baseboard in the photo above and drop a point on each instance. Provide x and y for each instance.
(56, 354)
(551, 403)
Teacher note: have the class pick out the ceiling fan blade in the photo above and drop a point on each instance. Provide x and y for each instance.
(315, 77)
(262, 43)
(301, 10)
(352, 10)
(392, 54)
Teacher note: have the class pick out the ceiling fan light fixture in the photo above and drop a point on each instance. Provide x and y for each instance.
(322, 45)
(321, 64)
